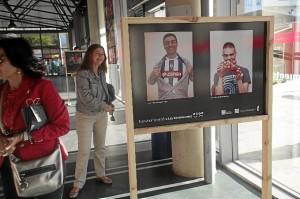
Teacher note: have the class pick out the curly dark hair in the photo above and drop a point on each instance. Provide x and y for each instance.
(20, 54)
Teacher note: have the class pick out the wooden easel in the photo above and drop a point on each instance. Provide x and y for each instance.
(266, 118)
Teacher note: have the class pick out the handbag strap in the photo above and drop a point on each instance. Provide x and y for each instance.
(112, 118)
(106, 92)
(1, 101)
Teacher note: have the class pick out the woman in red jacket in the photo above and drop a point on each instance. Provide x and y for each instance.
(25, 84)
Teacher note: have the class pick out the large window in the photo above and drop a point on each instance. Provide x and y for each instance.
(240, 145)
(286, 98)
(50, 39)
(33, 39)
(49, 49)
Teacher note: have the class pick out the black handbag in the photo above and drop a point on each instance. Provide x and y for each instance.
(34, 116)
(111, 93)
(110, 98)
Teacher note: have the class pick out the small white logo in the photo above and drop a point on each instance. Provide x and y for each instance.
(224, 112)
(198, 114)
(257, 108)
(237, 110)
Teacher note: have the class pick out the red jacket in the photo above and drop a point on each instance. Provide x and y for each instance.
(45, 138)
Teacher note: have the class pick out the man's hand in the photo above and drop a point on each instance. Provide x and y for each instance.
(156, 73)
(238, 74)
(236, 70)
(220, 70)
(227, 65)
(233, 67)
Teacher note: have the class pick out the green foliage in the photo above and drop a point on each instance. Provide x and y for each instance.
(49, 40)
(45, 40)
(278, 81)
(34, 40)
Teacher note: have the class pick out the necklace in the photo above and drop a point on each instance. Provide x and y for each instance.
(9, 113)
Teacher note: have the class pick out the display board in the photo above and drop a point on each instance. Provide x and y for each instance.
(73, 59)
(190, 72)
(200, 46)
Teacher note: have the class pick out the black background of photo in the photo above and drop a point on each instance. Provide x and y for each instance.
(252, 103)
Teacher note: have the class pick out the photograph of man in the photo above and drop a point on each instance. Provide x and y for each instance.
(230, 77)
(172, 75)
(77, 58)
(70, 59)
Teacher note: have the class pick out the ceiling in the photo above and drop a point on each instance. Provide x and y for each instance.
(54, 15)
(39, 14)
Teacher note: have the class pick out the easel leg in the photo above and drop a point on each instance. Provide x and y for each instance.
(132, 165)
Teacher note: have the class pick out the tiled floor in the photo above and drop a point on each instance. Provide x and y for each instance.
(156, 180)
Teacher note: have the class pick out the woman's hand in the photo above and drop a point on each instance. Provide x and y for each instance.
(113, 107)
(3, 144)
(11, 144)
(109, 107)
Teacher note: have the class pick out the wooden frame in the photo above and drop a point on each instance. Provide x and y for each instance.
(266, 79)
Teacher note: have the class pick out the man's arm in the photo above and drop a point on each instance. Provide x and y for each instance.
(243, 87)
(219, 89)
(189, 68)
(190, 71)
(156, 73)
(218, 80)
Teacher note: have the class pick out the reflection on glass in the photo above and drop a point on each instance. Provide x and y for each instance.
(286, 95)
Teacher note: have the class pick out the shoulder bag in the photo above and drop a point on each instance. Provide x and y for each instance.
(111, 93)
(111, 96)
(39, 176)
